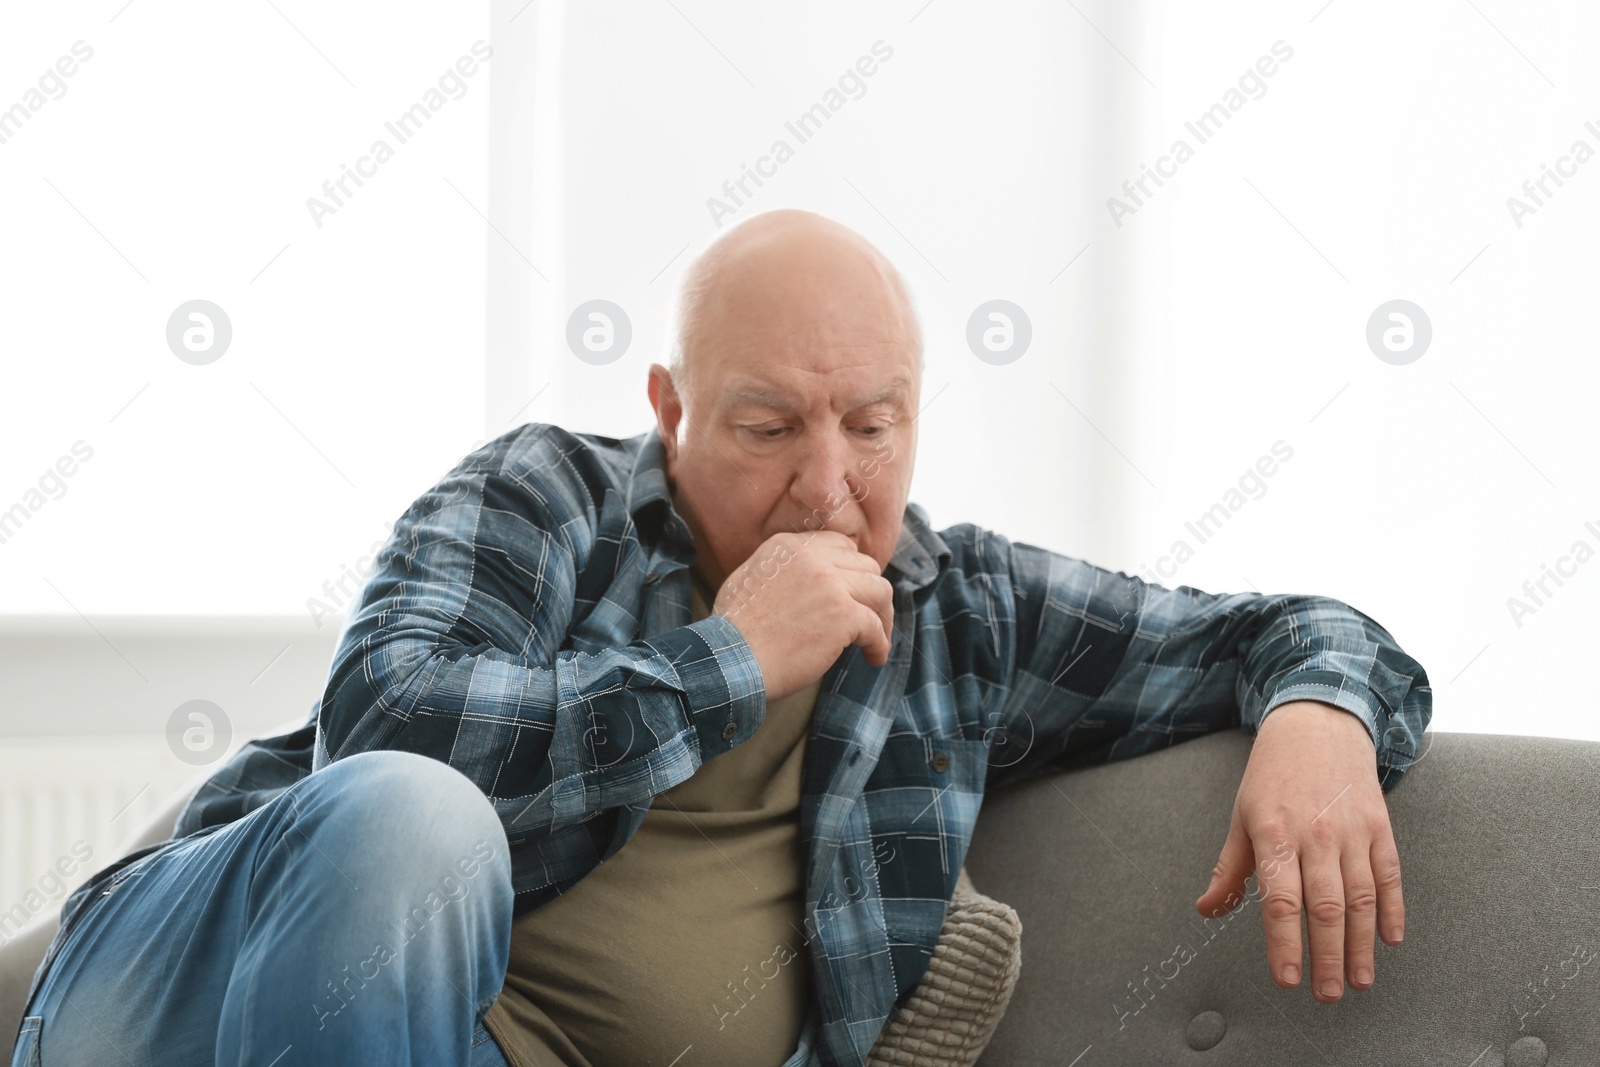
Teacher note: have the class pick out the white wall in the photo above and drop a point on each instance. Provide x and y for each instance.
(1377, 166)
(178, 165)
(966, 156)
(429, 312)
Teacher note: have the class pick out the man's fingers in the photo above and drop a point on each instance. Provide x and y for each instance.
(1386, 876)
(876, 595)
(1326, 912)
(1360, 916)
(1227, 887)
(873, 637)
(1280, 910)
(841, 550)
(847, 558)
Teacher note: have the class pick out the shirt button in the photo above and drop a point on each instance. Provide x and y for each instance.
(728, 731)
(671, 528)
(940, 762)
(651, 578)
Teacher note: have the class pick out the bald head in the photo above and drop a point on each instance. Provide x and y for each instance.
(792, 396)
(802, 273)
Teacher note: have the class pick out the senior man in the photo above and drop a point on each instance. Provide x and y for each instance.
(668, 750)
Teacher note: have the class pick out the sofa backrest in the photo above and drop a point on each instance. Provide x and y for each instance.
(1499, 840)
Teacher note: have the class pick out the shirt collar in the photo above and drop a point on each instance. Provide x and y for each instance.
(647, 482)
(919, 557)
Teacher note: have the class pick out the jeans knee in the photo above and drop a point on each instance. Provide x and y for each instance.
(417, 816)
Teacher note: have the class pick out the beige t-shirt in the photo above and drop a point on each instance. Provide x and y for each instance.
(688, 945)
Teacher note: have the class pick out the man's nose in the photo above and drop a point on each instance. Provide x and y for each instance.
(825, 480)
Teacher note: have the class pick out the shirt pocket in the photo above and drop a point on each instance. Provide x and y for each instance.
(922, 801)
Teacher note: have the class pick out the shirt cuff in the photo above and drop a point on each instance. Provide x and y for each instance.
(726, 696)
(1336, 690)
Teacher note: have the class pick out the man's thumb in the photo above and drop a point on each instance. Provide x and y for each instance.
(1227, 887)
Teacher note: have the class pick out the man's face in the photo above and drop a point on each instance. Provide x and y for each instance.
(800, 412)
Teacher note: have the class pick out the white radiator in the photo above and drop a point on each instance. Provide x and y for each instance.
(70, 806)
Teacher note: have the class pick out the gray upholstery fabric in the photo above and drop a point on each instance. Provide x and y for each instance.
(1498, 837)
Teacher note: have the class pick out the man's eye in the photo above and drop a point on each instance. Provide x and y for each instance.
(773, 432)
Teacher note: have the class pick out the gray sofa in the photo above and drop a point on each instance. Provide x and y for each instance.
(1499, 842)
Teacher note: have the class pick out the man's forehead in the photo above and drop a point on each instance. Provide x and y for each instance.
(770, 395)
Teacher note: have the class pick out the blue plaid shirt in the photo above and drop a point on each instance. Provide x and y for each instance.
(528, 623)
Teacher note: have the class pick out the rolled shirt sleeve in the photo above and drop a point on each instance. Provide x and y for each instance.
(455, 651)
(1105, 666)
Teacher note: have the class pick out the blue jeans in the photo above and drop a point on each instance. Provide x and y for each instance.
(361, 917)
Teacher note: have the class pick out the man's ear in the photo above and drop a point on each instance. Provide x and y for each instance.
(668, 408)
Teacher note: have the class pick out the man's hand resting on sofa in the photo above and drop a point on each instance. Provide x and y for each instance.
(1311, 812)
